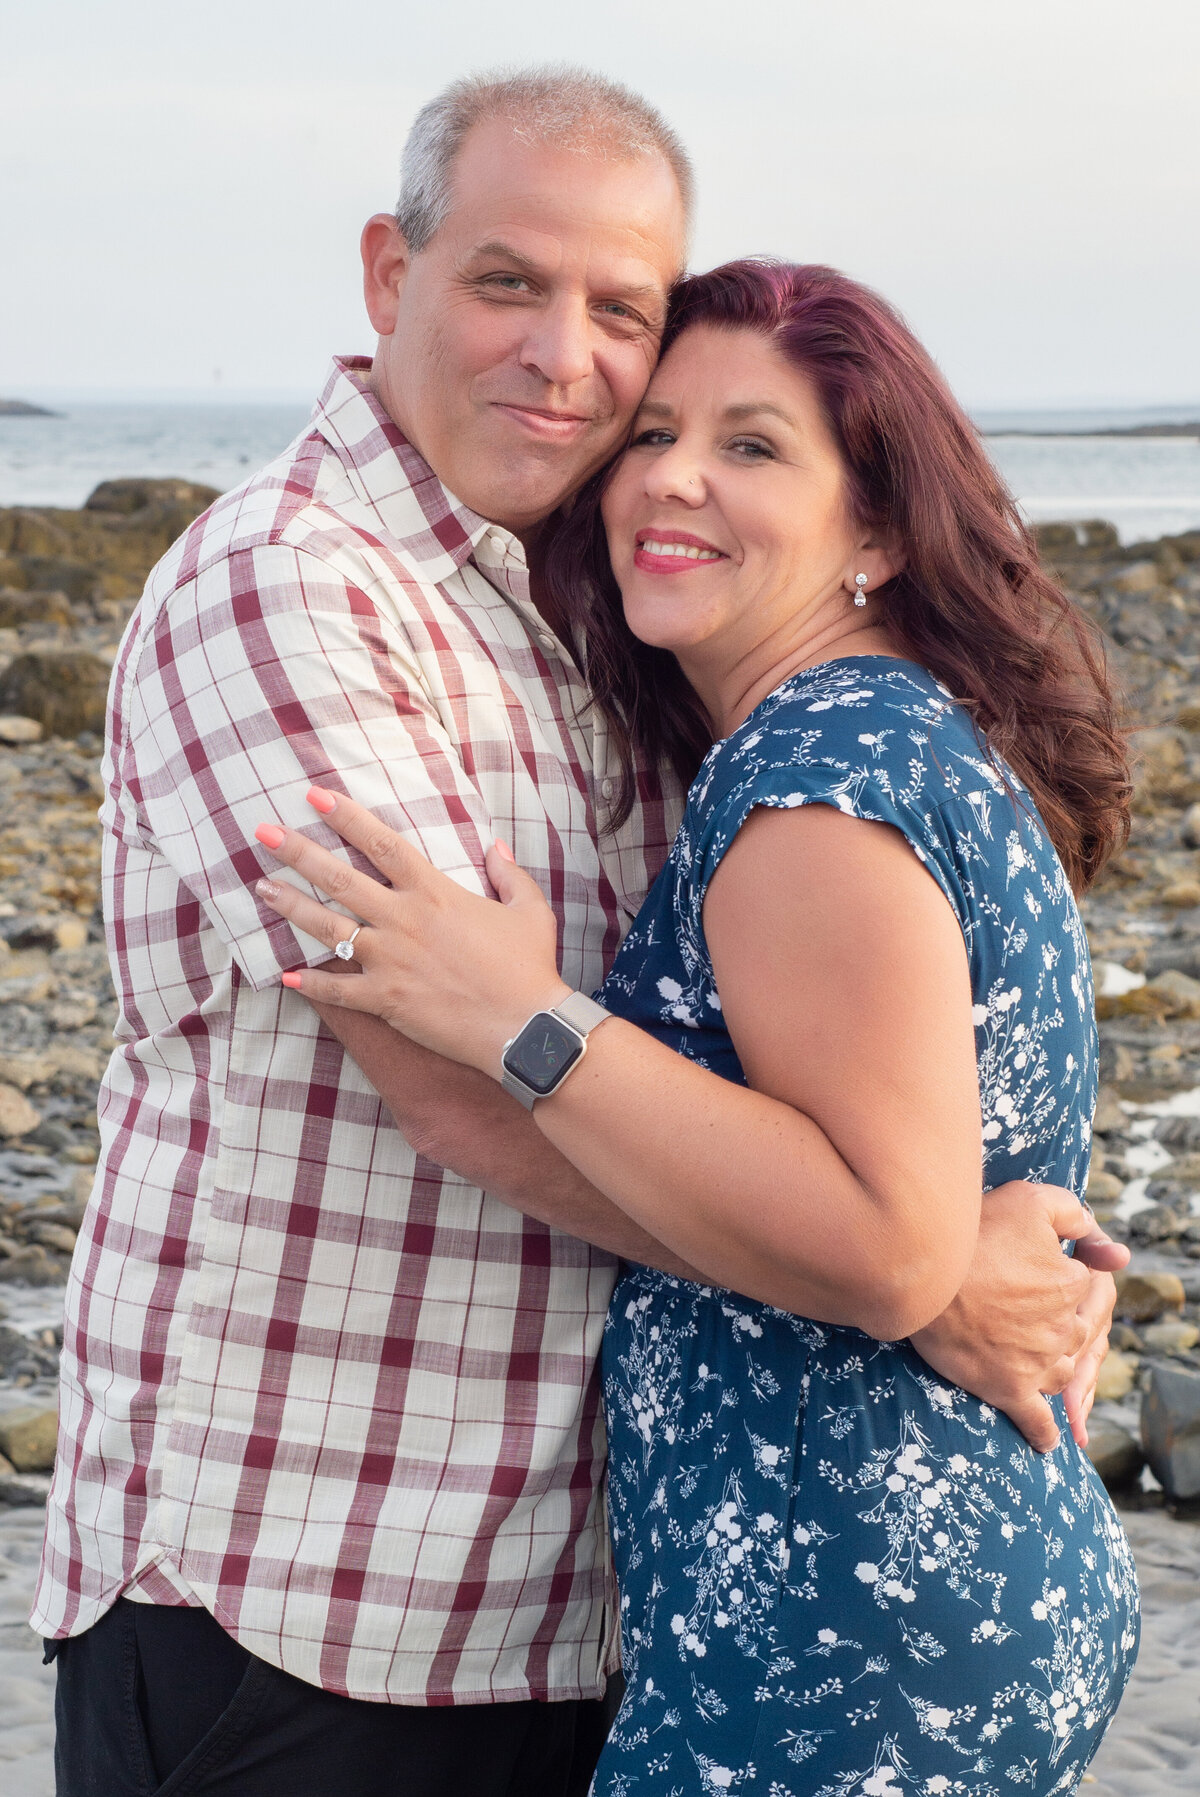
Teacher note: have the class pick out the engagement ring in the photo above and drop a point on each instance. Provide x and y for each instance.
(345, 950)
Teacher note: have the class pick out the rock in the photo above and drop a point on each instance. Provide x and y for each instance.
(1117, 1374)
(34, 1265)
(1157, 1223)
(1171, 1336)
(1110, 1118)
(1168, 994)
(1171, 1429)
(1190, 827)
(1114, 1453)
(17, 1115)
(1181, 895)
(37, 607)
(15, 730)
(1126, 1338)
(28, 1438)
(1142, 1297)
(65, 690)
(70, 933)
(57, 1235)
(129, 496)
(1138, 577)
(1103, 1188)
(18, 1489)
(25, 1070)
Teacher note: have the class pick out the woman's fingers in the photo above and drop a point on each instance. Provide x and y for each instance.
(383, 847)
(332, 989)
(307, 914)
(330, 875)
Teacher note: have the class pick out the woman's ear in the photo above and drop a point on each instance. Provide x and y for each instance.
(879, 559)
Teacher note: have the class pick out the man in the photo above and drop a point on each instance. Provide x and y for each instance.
(327, 1513)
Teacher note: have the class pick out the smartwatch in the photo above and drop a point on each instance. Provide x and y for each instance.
(539, 1057)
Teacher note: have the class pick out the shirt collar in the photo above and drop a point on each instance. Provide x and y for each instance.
(431, 526)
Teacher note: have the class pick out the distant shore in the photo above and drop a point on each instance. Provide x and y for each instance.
(1114, 430)
(21, 408)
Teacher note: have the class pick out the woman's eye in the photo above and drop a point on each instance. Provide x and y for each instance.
(753, 449)
(655, 438)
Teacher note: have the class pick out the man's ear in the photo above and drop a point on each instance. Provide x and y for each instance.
(385, 258)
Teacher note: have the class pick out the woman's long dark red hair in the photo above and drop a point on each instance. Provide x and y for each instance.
(972, 603)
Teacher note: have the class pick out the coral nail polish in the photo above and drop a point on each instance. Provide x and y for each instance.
(320, 800)
(270, 835)
(290, 979)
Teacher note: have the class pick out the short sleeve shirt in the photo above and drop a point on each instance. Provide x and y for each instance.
(335, 1393)
(880, 739)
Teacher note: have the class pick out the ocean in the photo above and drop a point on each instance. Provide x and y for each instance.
(1146, 486)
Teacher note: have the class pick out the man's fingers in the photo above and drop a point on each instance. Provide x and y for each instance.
(1068, 1218)
(1099, 1252)
(1035, 1419)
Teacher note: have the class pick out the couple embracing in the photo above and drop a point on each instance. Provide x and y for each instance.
(672, 1045)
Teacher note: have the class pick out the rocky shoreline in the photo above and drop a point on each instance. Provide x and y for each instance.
(68, 581)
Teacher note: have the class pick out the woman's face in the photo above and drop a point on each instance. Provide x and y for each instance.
(726, 520)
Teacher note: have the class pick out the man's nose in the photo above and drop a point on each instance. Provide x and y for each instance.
(559, 348)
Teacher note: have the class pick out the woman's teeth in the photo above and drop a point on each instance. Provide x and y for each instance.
(688, 550)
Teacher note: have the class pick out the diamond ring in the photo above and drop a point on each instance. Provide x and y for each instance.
(345, 950)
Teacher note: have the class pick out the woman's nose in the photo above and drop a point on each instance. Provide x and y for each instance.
(676, 475)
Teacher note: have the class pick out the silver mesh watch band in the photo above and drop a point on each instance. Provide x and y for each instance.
(581, 1014)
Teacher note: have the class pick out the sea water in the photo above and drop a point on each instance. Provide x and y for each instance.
(1146, 486)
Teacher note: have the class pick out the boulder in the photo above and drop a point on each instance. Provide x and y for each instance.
(1116, 1376)
(1190, 827)
(17, 608)
(129, 496)
(65, 690)
(1114, 1453)
(17, 1115)
(1143, 1297)
(1171, 1429)
(1171, 1335)
(28, 1438)
(14, 731)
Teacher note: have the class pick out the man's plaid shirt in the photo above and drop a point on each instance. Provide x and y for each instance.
(334, 1393)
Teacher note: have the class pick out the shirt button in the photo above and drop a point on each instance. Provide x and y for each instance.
(545, 639)
(607, 788)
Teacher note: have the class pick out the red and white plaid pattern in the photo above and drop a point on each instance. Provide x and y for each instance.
(327, 1389)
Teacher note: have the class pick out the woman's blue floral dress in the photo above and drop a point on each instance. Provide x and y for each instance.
(839, 1575)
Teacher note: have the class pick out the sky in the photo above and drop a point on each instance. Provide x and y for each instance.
(182, 188)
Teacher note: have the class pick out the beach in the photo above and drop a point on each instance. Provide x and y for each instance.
(68, 582)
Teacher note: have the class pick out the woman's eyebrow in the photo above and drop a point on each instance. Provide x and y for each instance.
(752, 407)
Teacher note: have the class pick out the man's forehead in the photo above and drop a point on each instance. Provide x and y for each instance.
(544, 201)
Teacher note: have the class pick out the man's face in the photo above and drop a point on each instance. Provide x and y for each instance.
(515, 348)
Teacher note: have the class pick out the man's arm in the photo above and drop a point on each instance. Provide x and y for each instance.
(1028, 1319)
(462, 1120)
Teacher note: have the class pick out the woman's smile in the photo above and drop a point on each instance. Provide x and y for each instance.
(669, 551)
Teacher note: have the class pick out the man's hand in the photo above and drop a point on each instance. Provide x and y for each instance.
(1030, 1320)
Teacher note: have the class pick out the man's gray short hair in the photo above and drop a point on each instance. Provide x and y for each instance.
(568, 108)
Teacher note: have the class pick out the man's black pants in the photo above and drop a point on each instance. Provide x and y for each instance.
(161, 1702)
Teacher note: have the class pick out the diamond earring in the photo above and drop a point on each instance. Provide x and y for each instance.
(860, 581)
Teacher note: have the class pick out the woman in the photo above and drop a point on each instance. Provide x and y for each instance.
(860, 979)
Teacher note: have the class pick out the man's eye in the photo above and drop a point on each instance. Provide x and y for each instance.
(509, 283)
(614, 309)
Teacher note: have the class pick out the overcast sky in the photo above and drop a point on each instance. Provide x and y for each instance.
(181, 188)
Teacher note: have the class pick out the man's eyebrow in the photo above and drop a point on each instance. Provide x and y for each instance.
(506, 253)
(643, 290)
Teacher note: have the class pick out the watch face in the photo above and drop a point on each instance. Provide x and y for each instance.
(543, 1051)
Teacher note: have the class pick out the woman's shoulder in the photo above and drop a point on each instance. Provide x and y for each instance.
(877, 718)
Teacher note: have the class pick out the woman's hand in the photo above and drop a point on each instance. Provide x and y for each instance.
(455, 972)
